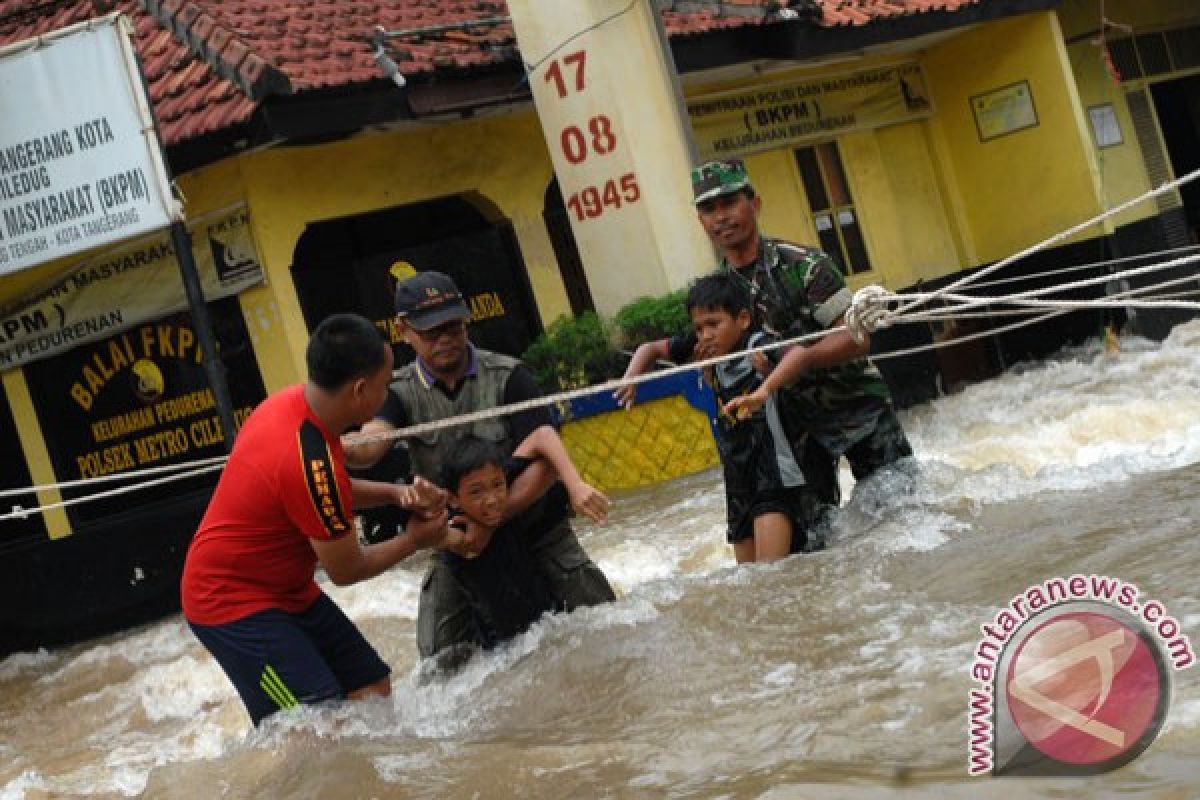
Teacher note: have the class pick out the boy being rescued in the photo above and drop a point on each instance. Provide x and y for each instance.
(774, 482)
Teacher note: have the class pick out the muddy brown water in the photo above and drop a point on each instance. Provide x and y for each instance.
(837, 675)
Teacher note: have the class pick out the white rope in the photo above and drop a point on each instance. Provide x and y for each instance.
(973, 300)
(869, 311)
(119, 476)
(952, 312)
(1058, 237)
(1060, 306)
(573, 394)
(1054, 273)
(22, 513)
(997, 331)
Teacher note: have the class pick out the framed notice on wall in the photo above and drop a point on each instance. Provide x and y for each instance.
(1105, 127)
(1003, 111)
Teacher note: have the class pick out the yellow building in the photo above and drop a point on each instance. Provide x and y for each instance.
(319, 162)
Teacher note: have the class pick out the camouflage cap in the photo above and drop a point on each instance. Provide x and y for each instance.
(715, 178)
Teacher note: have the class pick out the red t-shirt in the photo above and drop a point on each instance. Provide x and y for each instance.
(285, 483)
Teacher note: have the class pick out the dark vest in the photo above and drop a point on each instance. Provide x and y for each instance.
(484, 390)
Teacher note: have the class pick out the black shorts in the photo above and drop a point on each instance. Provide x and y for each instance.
(278, 660)
(800, 504)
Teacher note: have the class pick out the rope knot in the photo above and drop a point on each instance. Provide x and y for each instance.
(868, 312)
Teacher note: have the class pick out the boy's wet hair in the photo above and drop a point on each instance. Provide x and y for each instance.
(722, 291)
(471, 453)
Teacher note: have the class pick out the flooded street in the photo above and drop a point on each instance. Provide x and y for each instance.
(842, 674)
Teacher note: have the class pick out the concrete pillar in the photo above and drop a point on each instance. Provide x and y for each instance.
(605, 95)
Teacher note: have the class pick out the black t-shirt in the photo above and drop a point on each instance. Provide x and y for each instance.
(507, 590)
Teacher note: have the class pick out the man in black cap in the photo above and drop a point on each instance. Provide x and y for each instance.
(451, 377)
(797, 290)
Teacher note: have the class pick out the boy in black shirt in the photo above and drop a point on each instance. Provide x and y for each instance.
(774, 481)
(505, 591)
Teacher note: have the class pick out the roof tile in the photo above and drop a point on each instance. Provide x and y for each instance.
(209, 63)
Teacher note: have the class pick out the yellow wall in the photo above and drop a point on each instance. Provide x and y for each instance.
(894, 181)
(1018, 189)
(503, 158)
(650, 443)
(1122, 172)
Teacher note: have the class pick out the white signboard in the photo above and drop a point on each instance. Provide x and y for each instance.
(80, 165)
(135, 283)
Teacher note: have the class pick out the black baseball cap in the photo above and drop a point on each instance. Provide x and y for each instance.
(428, 299)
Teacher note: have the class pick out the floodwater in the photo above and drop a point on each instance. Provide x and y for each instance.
(843, 674)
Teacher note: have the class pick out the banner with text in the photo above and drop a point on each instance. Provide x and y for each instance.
(140, 399)
(80, 165)
(127, 286)
(745, 121)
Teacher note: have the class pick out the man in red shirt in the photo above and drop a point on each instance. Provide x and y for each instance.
(283, 505)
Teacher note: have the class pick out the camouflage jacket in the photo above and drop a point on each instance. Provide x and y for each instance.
(800, 290)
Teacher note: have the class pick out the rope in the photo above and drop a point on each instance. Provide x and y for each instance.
(971, 301)
(1004, 329)
(869, 309)
(120, 476)
(868, 312)
(1053, 273)
(1058, 237)
(951, 312)
(21, 513)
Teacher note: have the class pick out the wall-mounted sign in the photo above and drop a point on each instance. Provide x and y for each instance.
(140, 399)
(799, 112)
(1105, 127)
(80, 165)
(1003, 111)
(127, 286)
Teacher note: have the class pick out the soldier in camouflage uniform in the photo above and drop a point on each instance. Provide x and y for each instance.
(797, 290)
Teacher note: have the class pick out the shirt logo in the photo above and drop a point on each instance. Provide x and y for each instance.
(322, 485)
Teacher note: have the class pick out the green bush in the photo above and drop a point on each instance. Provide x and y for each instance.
(650, 318)
(587, 349)
(574, 352)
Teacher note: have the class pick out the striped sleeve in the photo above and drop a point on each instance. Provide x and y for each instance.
(319, 503)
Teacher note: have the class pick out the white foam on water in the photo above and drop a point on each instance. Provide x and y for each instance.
(189, 690)
(430, 705)
(393, 594)
(396, 768)
(642, 559)
(181, 689)
(1184, 715)
(18, 665)
(917, 530)
(633, 562)
(166, 640)
(1084, 418)
(28, 781)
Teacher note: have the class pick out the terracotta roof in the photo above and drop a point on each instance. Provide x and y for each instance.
(188, 97)
(860, 12)
(210, 63)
